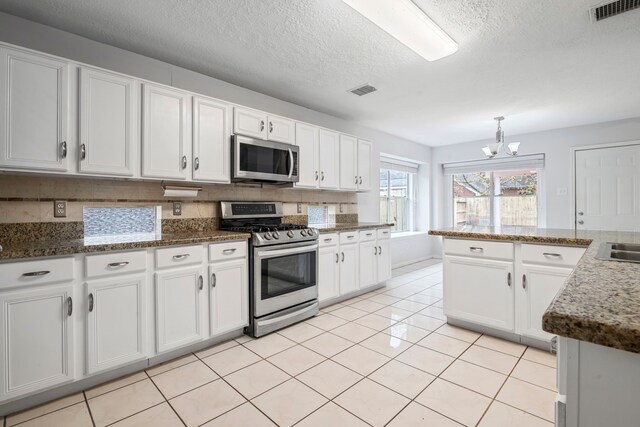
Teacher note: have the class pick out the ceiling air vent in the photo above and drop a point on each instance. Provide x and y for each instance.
(364, 89)
(614, 8)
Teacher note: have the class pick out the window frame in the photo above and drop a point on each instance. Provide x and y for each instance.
(411, 198)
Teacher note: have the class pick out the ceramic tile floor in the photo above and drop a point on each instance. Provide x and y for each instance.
(386, 358)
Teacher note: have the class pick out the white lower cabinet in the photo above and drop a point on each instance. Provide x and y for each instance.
(383, 259)
(229, 296)
(349, 268)
(36, 338)
(328, 272)
(116, 322)
(368, 263)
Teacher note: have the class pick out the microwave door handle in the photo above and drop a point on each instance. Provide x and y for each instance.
(281, 252)
(291, 165)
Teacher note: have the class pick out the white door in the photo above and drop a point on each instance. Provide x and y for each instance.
(33, 111)
(164, 133)
(536, 288)
(229, 296)
(116, 322)
(180, 301)
(348, 163)
(608, 188)
(364, 165)
(368, 264)
(328, 273)
(211, 140)
(36, 330)
(250, 122)
(307, 140)
(480, 291)
(282, 130)
(384, 260)
(329, 160)
(349, 269)
(108, 117)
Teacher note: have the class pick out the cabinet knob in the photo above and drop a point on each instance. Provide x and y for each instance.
(69, 306)
(196, 163)
(184, 162)
(83, 152)
(213, 280)
(90, 303)
(261, 125)
(63, 150)
(524, 281)
(270, 127)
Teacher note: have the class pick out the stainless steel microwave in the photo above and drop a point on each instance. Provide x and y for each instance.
(257, 160)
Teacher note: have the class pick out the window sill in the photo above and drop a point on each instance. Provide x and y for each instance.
(401, 234)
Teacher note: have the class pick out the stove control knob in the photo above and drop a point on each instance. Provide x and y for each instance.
(267, 236)
(290, 234)
(311, 232)
(275, 235)
(303, 232)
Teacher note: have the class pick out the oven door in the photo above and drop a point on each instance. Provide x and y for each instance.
(259, 160)
(284, 275)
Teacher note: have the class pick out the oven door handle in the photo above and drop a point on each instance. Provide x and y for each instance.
(291, 166)
(289, 315)
(280, 252)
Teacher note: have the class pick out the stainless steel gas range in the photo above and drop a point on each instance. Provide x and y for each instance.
(283, 265)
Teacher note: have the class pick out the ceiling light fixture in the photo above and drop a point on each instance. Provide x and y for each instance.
(408, 24)
(492, 150)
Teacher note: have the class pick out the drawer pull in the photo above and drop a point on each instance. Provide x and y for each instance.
(90, 303)
(342, 256)
(327, 240)
(36, 273)
(228, 251)
(181, 257)
(69, 306)
(213, 280)
(337, 257)
(350, 237)
(369, 234)
(379, 250)
(552, 255)
(118, 264)
(376, 250)
(476, 249)
(200, 282)
(524, 281)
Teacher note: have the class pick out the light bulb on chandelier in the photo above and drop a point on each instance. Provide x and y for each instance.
(492, 150)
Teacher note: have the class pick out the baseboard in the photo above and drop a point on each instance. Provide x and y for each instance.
(413, 261)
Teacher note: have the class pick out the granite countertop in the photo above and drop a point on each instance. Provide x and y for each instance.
(599, 302)
(62, 246)
(347, 226)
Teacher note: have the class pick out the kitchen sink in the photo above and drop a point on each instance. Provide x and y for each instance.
(624, 252)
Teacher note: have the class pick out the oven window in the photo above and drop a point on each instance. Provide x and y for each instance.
(289, 273)
(254, 158)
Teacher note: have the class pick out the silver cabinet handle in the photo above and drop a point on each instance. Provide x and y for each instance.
(69, 306)
(581, 222)
(360, 182)
(261, 125)
(228, 251)
(342, 256)
(552, 255)
(36, 273)
(327, 240)
(196, 163)
(181, 257)
(376, 250)
(356, 181)
(369, 234)
(509, 279)
(350, 237)
(580, 213)
(184, 162)
(476, 249)
(270, 127)
(321, 176)
(214, 279)
(118, 264)
(90, 303)
(200, 282)
(63, 149)
(337, 257)
(292, 165)
(524, 281)
(316, 175)
(83, 152)
(379, 250)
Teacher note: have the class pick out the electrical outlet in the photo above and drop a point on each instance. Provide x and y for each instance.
(60, 209)
(341, 208)
(299, 208)
(177, 208)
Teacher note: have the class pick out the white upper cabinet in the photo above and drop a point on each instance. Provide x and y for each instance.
(281, 130)
(165, 152)
(211, 140)
(348, 163)
(307, 139)
(364, 165)
(250, 122)
(108, 123)
(33, 111)
(329, 163)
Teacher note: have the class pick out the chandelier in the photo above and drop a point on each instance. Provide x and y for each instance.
(492, 150)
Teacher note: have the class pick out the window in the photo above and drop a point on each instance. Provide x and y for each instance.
(496, 198)
(397, 198)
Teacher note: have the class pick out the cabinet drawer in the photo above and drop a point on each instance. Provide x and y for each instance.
(479, 248)
(115, 263)
(38, 272)
(227, 250)
(366, 235)
(349, 237)
(552, 255)
(384, 233)
(330, 239)
(182, 255)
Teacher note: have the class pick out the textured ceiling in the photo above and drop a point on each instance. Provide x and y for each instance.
(542, 64)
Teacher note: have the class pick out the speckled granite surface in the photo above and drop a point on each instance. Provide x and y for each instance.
(600, 301)
(347, 226)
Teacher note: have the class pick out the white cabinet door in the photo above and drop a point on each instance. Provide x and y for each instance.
(349, 268)
(116, 322)
(281, 129)
(211, 140)
(33, 111)
(348, 163)
(108, 117)
(384, 260)
(328, 273)
(479, 291)
(36, 330)
(250, 122)
(364, 165)
(229, 296)
(307, 140)
(180, 301)
(536, 288)
(368, 264)
(329, 160)
(164, 133)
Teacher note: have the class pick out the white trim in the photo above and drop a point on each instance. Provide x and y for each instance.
(413, 261)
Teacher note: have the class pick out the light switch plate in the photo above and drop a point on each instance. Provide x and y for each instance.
(177, 208)
(60, 209)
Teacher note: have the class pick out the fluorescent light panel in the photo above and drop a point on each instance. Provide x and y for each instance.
(408, 24)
